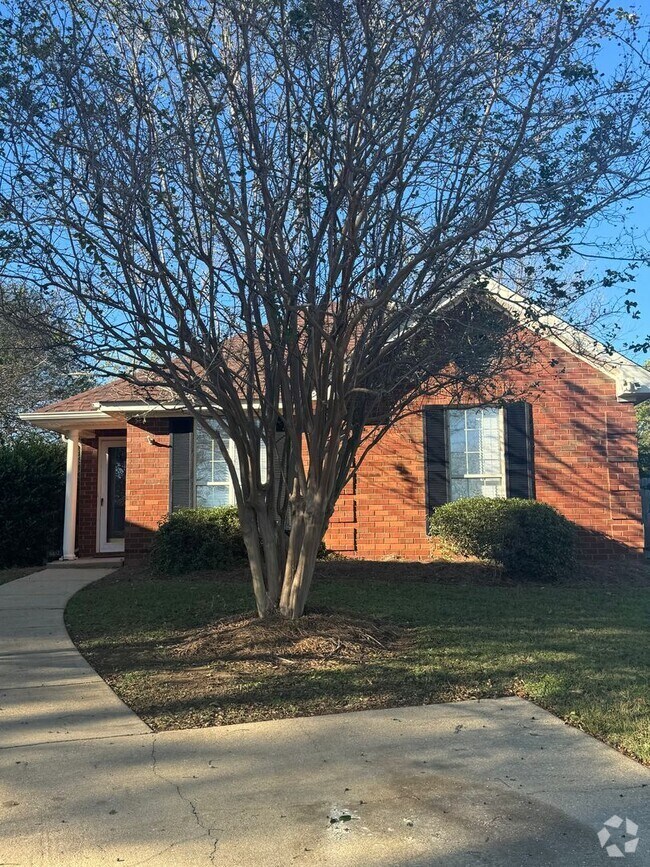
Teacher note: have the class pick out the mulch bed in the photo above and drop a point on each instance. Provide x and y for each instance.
(314, 641)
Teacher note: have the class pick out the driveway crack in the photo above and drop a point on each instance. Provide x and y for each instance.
(209, 831)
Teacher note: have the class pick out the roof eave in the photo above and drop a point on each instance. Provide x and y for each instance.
(125, 409)
(632, 392)
(631, 379)
(62, 422)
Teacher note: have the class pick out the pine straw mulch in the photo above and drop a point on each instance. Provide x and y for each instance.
(316, 640)
(243, 669)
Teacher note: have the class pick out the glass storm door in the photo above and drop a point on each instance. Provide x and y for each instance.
(111, 491)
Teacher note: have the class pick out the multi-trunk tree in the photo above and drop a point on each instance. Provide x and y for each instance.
(270, 206)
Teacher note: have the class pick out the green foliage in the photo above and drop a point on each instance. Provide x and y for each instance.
(191, 540)
(529, 539)
(643, 430)
(32, 494)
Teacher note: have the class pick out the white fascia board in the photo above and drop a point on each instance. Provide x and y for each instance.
(153, 408)
(632, 380)
(110, 408)
(70, 420)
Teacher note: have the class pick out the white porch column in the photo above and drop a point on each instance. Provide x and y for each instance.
(71, 480)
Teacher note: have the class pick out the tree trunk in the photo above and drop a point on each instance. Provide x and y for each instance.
(282, 569)
(266, 587)
(307, 530)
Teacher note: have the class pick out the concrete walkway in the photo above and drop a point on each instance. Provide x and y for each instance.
(84, 782)
(48, 692)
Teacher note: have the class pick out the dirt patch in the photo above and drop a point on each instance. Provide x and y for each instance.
(315, 640)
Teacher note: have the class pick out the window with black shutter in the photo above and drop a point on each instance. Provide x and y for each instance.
(520, 479)
(182, 471)
(478, 451)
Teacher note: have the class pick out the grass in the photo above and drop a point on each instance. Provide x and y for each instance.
(579, 649)
(13, 572)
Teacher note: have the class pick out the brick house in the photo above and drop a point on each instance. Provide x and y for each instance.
(133, 457)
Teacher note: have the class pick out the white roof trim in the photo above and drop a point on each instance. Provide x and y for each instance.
(632, 380)
(71, 420)
(138, 407)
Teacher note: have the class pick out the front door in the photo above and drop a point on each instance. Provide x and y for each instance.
(111, 494)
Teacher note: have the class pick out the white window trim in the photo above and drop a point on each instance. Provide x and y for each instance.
(502, 449)
(232, 451)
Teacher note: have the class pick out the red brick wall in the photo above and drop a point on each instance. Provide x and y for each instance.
(87, 493)
(147, 481)
(585, 466)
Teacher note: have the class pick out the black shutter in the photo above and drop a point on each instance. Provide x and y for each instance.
(435, 457)
(182, 436)
(519, 450)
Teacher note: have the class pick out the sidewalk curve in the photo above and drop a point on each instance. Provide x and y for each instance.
(48, 692)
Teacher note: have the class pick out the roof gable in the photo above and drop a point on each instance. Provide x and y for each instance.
(632, 380)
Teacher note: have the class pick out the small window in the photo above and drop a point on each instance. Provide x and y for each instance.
(476, 453)
(212, 483)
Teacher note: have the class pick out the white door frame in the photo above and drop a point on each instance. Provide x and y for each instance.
(104, 546)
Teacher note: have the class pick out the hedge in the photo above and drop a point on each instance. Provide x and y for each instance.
(532, 541)
(198, 539)
(32, 496)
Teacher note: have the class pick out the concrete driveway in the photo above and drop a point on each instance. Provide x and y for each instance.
(84, 782)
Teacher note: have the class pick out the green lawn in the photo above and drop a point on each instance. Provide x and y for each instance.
(580, 651)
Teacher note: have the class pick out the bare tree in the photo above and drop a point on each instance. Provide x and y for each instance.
(38, 364)
(270, 207)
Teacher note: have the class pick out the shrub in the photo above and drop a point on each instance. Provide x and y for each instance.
(32, 496)
(194, 539)
(529, 539)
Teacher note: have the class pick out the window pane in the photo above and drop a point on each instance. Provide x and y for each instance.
(458, 464)
(456, 418)
(491, 467)
(459, 489)
(474, 487)
(491, 488)
(476, 456)
(212, 495)
(203, 456)
(220, 472)
(473, 440)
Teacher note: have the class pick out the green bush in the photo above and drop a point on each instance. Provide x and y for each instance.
(32, 496)
(529, 539)
(194, 539)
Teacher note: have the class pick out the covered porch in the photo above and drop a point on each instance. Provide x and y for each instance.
(95, 484)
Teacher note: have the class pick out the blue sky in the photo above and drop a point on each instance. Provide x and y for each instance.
(638, 222)
(633, 330)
